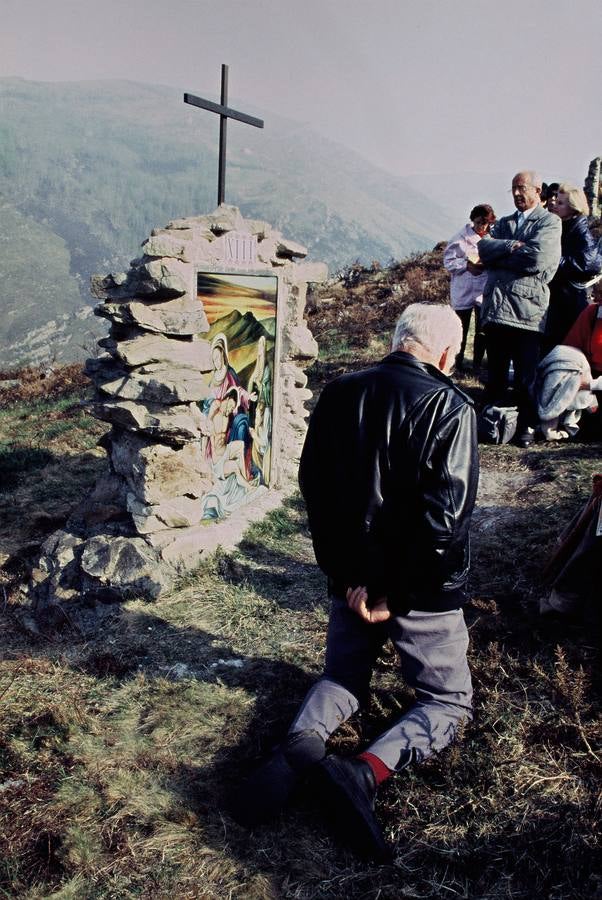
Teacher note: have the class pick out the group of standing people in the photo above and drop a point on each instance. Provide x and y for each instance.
(528, 277)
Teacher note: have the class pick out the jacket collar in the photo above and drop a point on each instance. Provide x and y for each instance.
(574, 223)
(400, 357)
(537, 213)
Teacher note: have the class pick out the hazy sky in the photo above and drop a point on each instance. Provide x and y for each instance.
(416, 86)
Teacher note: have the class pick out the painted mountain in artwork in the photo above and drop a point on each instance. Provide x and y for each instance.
(242, 331)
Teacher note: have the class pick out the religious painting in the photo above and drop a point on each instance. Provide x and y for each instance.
(238, 413)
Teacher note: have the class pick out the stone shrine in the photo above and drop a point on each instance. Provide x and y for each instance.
(202, 382)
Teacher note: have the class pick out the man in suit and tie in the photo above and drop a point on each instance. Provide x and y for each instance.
(520, 256)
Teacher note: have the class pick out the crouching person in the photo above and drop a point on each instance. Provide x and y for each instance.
(389, 474)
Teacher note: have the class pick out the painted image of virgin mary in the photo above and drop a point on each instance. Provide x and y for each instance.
(223, 376)
(223, 379)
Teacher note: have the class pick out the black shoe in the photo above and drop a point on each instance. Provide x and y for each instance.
(264, 794)
(346, 790)
(526, 438)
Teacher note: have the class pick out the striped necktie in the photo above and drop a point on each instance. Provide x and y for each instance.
(520, 218)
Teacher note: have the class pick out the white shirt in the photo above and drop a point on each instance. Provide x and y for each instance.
(466, 290)
(525, 214)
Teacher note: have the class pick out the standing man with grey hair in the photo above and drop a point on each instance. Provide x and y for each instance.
(389, 474)
(521, 255)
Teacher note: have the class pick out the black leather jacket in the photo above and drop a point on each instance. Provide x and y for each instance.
(389, 474)
(581, 258)
(569, 295)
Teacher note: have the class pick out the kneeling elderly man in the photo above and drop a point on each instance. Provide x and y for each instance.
(389, 474)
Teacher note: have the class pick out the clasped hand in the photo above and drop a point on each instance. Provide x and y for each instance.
(357, 600)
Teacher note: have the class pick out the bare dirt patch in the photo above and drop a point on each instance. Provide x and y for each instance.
(500, 496)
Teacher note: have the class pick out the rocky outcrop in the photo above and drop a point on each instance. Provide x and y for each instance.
(146, 520)
(593, 187)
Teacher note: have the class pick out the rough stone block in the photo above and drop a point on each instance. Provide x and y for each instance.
(164, 245)
(299, 343)
(266, 251)
(149, 384)
(164, 278)
(155, 472)
(106, 503)
(150, 348)
(179, 512)
(183, 548)
(296, 375)
(258, 227)
(225, 218)
(288, 249)
(176, 317)
(311, 272)
(171, 423)
(119, 567)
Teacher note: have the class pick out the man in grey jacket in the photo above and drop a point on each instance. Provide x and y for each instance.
(520, 256)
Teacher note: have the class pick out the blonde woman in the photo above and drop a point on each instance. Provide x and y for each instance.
(580, 263)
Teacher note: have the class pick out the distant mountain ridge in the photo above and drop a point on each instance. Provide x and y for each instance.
(92, 167)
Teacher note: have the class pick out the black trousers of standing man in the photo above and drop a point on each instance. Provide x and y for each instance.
(506, 344)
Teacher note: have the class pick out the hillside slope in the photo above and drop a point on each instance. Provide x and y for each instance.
(97, 165)
(44, 317)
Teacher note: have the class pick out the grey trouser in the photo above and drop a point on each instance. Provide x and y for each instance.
(432, 651)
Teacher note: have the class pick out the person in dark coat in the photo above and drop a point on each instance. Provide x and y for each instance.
(389, 474)
(580, 263)
(548, 197)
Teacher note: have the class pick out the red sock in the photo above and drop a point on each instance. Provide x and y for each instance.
(380, 770)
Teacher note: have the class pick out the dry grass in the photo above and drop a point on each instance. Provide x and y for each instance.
(51, 383)
(123, 734)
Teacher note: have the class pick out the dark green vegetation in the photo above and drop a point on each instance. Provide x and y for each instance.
(87, 170)
(122, 735)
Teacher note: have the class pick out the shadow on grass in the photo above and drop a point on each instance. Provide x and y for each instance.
(296, 848)
(39, 490)
(275, 576)
(548, 453)
(248, 699)
(15, 461)
(236, 743)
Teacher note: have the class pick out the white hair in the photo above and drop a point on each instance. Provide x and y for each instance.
(434, 326)
(533, 177)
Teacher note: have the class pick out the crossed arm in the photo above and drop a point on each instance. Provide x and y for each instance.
(538, 251)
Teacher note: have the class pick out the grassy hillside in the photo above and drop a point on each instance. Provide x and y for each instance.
(124, 729)
(95, 166)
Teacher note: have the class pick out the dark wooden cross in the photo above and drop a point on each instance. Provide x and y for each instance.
(224, 113)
